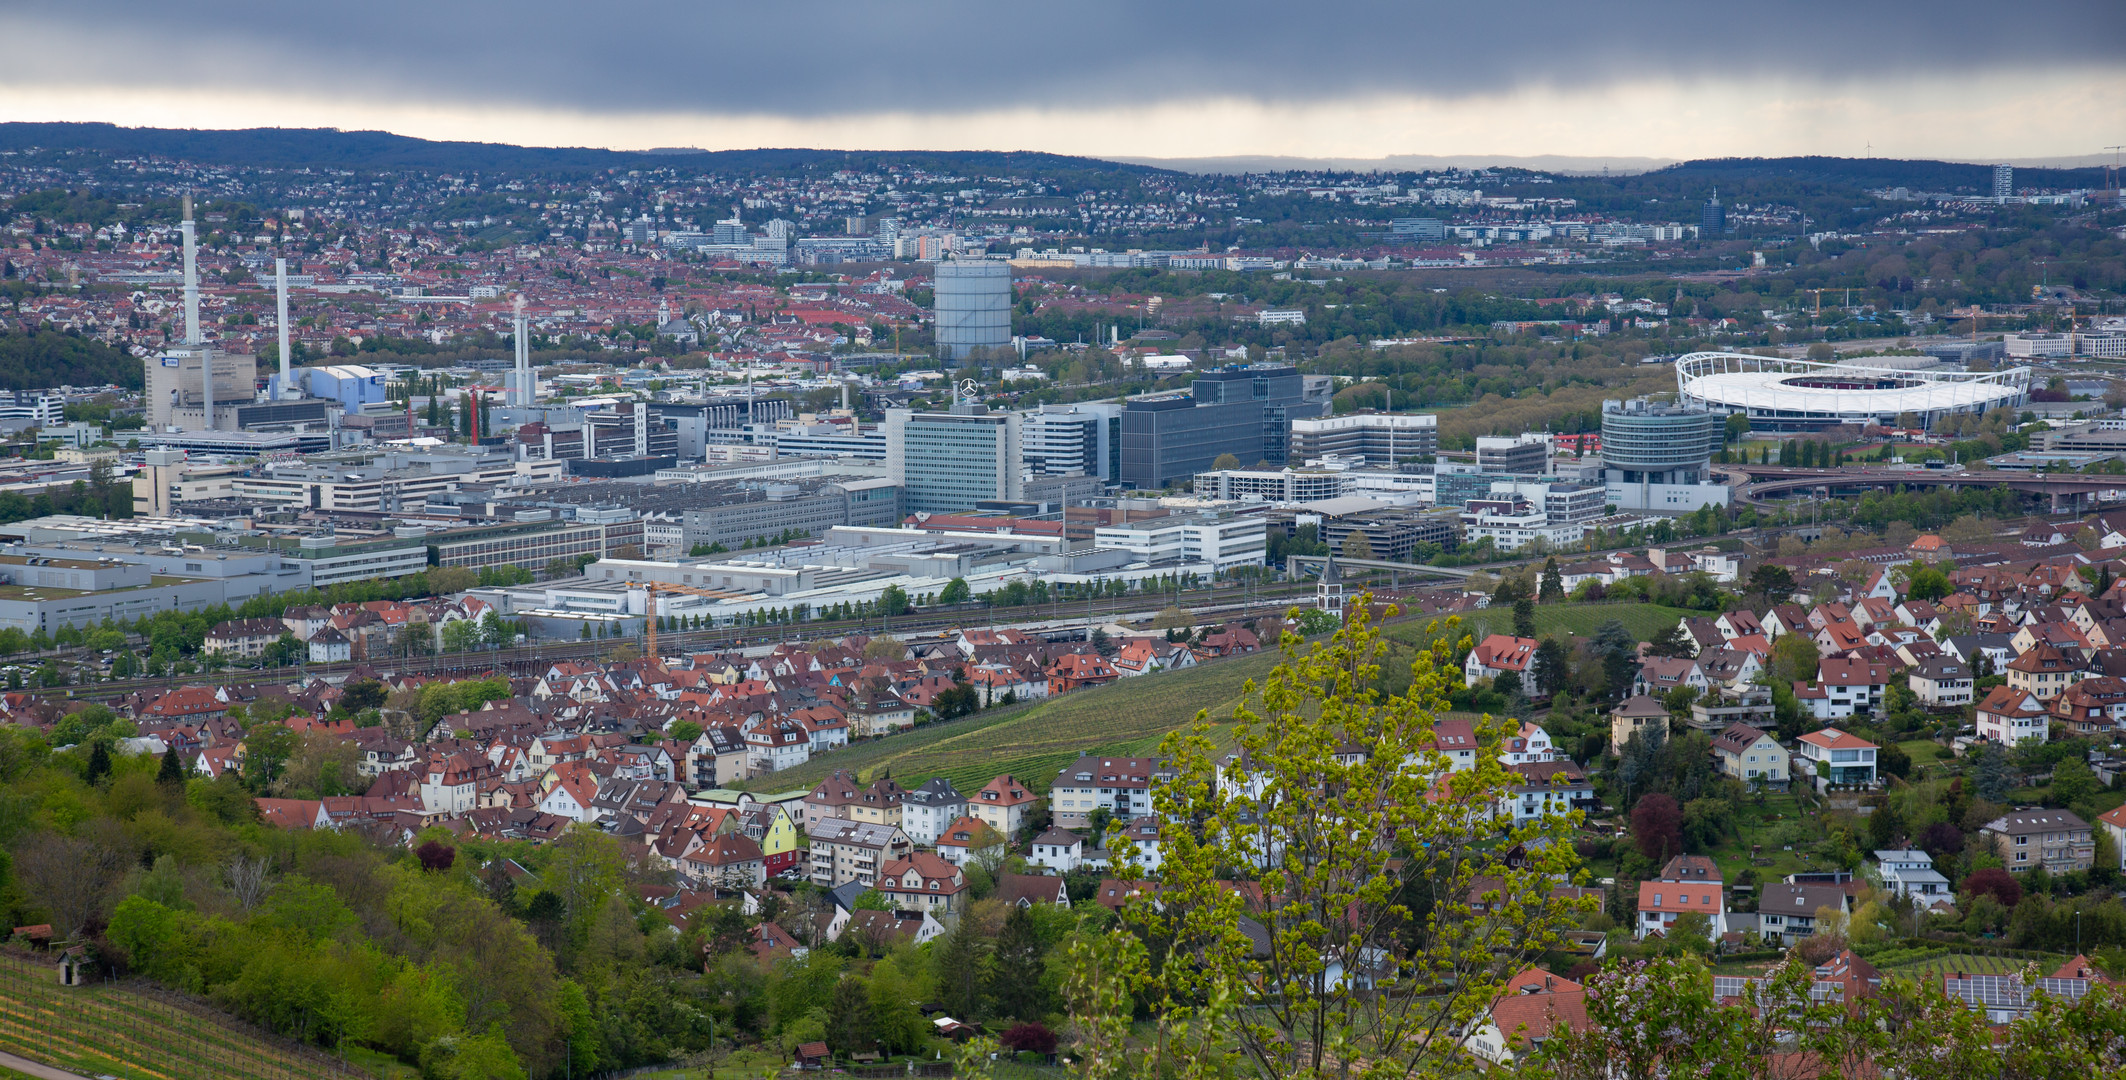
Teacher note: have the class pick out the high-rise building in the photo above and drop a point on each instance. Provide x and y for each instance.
(1241, 409)
(1658, 456)
(973, 307)
(1073, 440)
(1527, 454)
(1380, 438)
(947, 462)
(2003, 181)
(1712, 219)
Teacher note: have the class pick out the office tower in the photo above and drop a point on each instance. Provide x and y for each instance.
(1073, 440)
(973, 307)
(1242, 410)
(2003, 181)
(1521, 455)
(947, 462)
(1712, 220)
(1658, 456)
(1380, 438)
(731, 230)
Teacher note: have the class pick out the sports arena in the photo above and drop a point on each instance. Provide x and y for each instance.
(1806, 395)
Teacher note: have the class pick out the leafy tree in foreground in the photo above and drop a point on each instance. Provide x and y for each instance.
(1377, 950)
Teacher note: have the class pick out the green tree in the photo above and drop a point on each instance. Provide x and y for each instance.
(850, 1026)
(1016, 968)
(1794, 659)
(1524, 617)
(1553, 586)
(955, 592)
(1771, 581)
(1308, 827)
(959, 961)
(894, 600)
(99, 761)
(171, 773)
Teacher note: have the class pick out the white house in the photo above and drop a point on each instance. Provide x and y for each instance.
(1058, 849)
(1498, 653)
(1912, 873)
(1941, 681)
(2010, 715)
(1838, 757)
(926, 811)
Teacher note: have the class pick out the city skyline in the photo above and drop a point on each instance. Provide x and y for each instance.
(1972, 82)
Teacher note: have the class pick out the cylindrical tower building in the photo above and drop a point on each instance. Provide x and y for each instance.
(973, 307)
(1658, 456)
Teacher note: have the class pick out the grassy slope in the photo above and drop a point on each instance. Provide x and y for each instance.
(1033, 742)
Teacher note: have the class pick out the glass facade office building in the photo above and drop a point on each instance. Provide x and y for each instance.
(948, 462)
(1242, 410)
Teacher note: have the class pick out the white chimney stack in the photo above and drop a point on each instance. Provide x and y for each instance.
(195, 336)
(280, 289)
(523, 393)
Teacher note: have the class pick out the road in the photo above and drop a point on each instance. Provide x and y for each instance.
(36, 1068)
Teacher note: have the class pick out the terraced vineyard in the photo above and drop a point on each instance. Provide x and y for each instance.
(1936, 965)
(119, 1031)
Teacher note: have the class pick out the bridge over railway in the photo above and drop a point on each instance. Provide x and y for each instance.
(2067, 492)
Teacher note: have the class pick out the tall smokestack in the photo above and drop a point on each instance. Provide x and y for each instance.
(192, 331)
(195, 336)
(280, 291)
(523, 393)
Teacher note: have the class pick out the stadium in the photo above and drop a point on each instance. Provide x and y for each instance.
(1806, 395)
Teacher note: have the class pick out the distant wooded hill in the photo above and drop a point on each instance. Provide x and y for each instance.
(325, 147)
(52, 358)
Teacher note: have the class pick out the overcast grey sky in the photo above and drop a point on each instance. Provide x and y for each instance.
(1662, 79)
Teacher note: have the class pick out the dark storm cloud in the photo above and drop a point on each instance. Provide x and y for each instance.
(839, 56)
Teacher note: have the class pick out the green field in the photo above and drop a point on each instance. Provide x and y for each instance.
(106, 1030)
(1034, 741)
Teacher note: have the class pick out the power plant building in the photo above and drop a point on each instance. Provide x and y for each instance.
(973, 307)
(174, 386)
